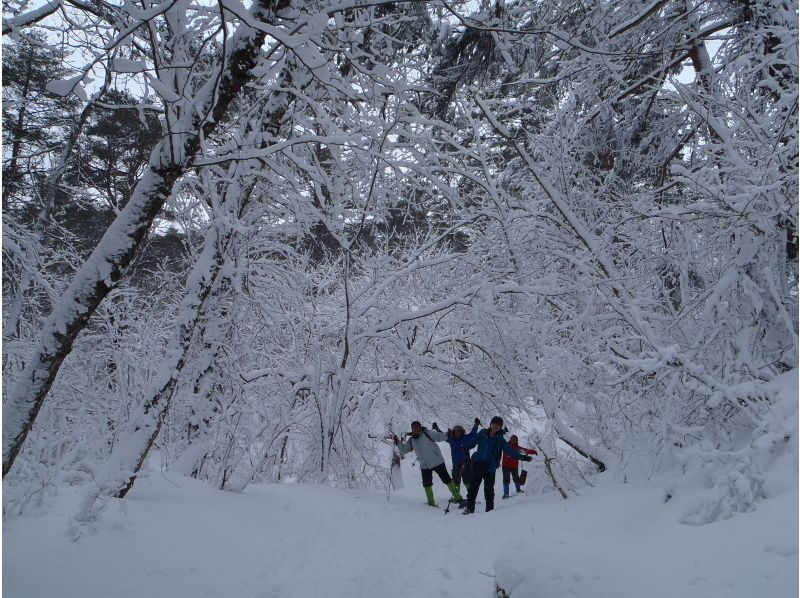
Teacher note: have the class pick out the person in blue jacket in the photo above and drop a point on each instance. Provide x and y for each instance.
(458, 438)
(485, 460)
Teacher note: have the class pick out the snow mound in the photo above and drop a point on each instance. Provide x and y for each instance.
(626, 541)
(764, 467)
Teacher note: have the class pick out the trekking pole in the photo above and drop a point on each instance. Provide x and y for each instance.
(391, 462)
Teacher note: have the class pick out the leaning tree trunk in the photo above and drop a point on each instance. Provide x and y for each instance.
(119, 472)
(170, 159)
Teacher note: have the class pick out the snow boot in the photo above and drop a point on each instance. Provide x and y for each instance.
(455, 491)
(429, 494)
(505, 497)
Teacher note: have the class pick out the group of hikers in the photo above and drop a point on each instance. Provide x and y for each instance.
(476, 469)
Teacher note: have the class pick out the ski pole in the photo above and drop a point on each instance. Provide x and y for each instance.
(391, 463)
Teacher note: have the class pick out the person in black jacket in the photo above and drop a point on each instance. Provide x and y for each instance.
(485, 460)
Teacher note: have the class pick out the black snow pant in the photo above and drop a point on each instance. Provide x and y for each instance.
(509, 473)
(481, 473)
(461, 471)
(441, 471)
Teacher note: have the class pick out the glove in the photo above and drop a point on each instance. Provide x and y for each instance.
(533, 452)
(477, 422)
(435, 426)
(527, 458)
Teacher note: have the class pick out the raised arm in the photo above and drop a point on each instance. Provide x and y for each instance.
(473, 433)
(470, 440)
(437, 435)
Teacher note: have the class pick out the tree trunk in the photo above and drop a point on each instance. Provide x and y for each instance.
(16, 146)
(119, 474)
(105, 267)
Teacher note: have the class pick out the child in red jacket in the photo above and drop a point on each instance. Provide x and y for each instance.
(510, 466)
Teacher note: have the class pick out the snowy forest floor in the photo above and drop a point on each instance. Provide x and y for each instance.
(177, 537)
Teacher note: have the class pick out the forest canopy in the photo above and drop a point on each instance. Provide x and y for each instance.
(257, 236)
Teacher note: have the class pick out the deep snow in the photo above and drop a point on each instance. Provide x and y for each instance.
(176, 537)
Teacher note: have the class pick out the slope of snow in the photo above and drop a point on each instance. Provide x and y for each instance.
(622, 541)
(177, 537)
(625, 540)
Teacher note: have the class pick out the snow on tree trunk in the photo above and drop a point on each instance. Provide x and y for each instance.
(107, 263)
(119, 473)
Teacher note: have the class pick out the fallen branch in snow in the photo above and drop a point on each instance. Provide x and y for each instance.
(601, 467)
(549, 469)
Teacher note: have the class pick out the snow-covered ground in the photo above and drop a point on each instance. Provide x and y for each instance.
(176, 537)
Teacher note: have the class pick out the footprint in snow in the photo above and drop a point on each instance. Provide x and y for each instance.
(782, 550)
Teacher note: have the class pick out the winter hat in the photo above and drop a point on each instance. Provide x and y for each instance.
(416, 423)
(497, 420)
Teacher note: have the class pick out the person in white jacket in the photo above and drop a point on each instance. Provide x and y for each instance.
(423, 443)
